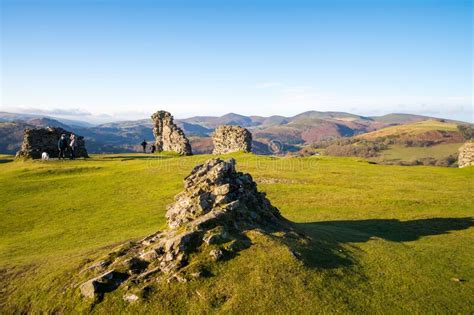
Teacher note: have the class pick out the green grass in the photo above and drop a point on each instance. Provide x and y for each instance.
(385, 239)
(403, 153)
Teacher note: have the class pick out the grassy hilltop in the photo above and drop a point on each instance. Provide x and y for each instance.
(388, 239)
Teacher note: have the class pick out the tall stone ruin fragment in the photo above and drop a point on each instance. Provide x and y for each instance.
(229, 139)
(466, 155)
(39, 140)
(168, 136)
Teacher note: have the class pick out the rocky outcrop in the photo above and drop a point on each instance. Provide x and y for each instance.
(206, 223)
(39, 140)
(168, 136)
(466, 154)
(229, 139)
(215, 191)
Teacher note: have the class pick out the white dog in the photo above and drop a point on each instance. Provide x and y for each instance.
(45, 156)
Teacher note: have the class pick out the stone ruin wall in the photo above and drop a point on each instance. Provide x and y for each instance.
(168, 136)
(466, 155)
(39, 140)
(229, 139)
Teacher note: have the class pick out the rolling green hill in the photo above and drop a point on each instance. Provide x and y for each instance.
(383, 239)
(434, 130)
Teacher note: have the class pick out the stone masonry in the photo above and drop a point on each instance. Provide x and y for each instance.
(466, 155)
(168, 136)
(229, 139)
(39, 140)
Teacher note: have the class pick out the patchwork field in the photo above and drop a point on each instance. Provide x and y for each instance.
(384, 239)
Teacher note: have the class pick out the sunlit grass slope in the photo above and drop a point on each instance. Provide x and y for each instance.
(411, 129)
(385, 239)
(403, 153)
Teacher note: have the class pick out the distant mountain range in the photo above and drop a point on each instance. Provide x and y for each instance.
(12, 117)
(290, 133)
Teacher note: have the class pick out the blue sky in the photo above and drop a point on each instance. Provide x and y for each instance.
(127, 59)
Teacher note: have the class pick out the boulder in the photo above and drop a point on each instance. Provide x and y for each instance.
(466, 154)
(168, 136)
(96, 287)
(39, 140)
(229, 139)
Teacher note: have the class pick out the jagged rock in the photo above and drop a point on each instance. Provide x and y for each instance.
(215, 236)
(216, 208)
(243, 201)
(229, 139)
(106, 282)
(150, 255)
(168, 136)
(39, 140)
(466, 154)
(216, 254)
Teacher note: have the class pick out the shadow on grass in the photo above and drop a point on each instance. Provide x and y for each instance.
(5, 161)
(389, 229)
(325, 248)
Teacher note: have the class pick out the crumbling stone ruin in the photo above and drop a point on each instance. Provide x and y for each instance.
(39, 140)
(206, 223)
(466, 154)
(168, 136)
(229, 139)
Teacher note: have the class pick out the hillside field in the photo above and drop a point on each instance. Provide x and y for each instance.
(411, 129)
(402, 153)
(384, 239)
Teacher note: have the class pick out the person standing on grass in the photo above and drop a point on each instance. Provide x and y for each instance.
(152, 148)
(73, 145)
(144, 145)
(62, 146)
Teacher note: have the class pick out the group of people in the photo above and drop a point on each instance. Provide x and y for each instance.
(65, 144)
(145, 144)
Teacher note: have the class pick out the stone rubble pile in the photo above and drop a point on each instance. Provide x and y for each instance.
(168, 136)
(207, 222)
(229, 139)
(39, 140)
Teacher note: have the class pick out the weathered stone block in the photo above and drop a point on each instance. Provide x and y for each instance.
(229, 139)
